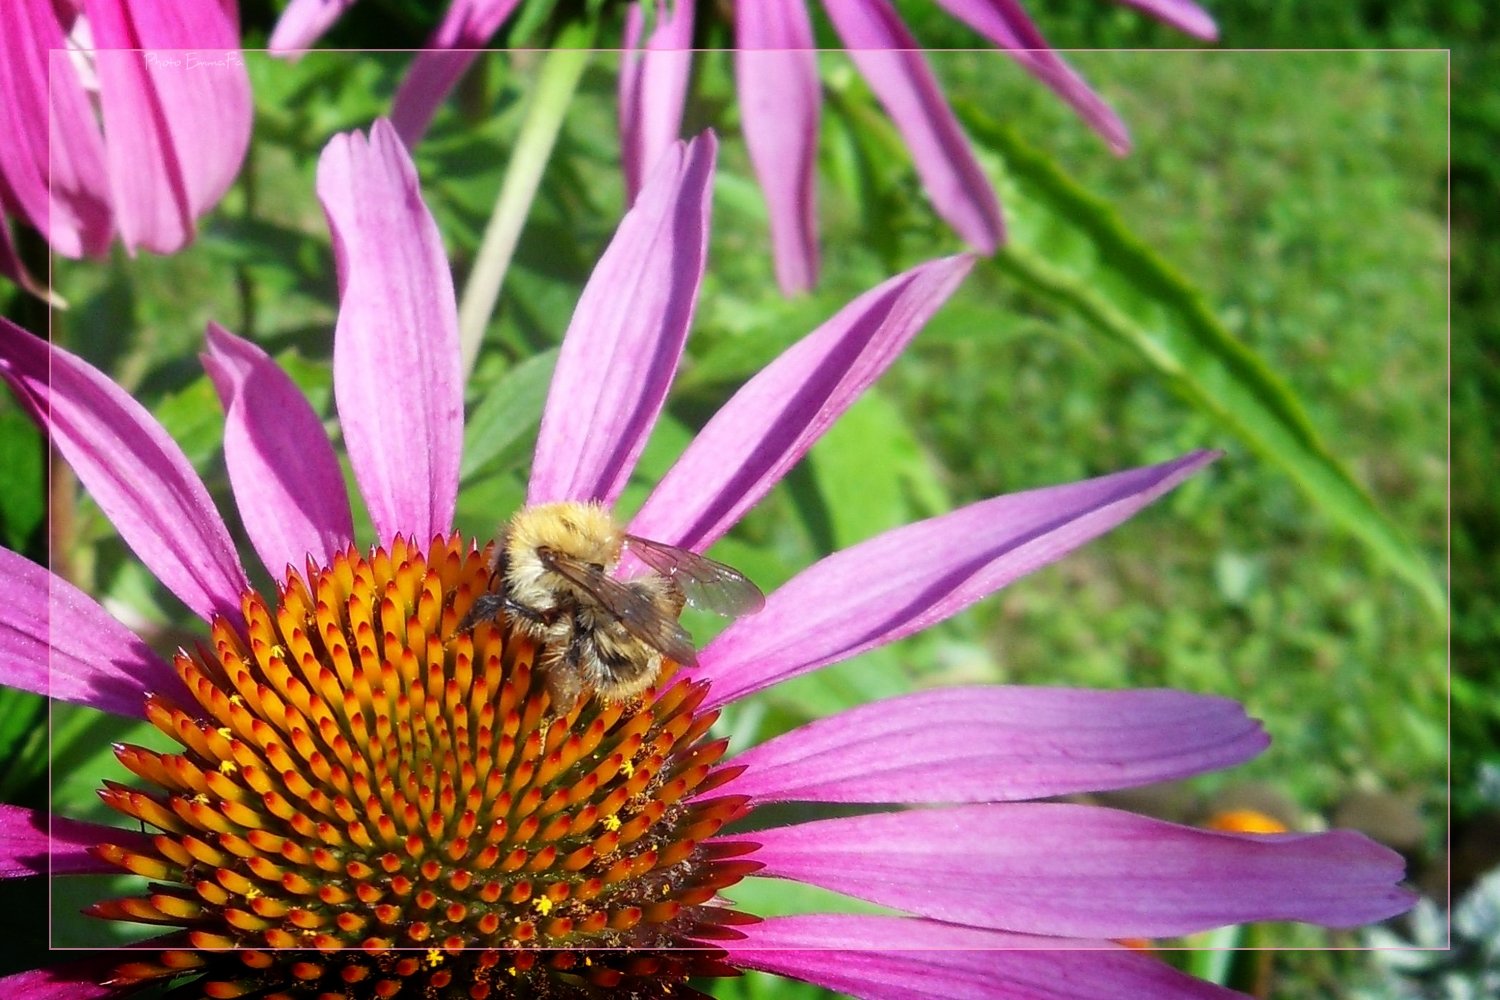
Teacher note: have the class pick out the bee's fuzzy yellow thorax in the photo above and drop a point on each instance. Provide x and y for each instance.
(586, 532)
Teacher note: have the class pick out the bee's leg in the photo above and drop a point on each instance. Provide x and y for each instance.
(530, 616)
(563, 670)
(491, 604)
(563, 688)
(486, 606)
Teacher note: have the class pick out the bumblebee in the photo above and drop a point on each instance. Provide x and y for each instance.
(552, 574)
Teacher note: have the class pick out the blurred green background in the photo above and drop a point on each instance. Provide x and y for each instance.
(1304, 195)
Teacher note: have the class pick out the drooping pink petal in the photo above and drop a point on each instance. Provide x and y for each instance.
(134, 471)
(303, 23)
(59, 125)
(653, 88)
(28, 848)
(776, 79)
(56, 640)
(994, 744)
(12, 267)
(892, 64)
(626, 336)
(755, 439)
(1084, 871)
(902, 958)
(453, 47)
(74, 980)
(283, 471)
(176, 115)
(1007, 25)
(908, 579)
(1183, 15)
(397, 377)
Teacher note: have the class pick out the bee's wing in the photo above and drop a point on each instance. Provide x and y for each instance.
(707, 584)
(633, 610)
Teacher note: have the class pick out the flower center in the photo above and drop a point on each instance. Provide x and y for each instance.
(396, 802)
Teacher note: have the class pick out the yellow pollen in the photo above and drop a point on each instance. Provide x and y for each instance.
(227, 767)
(252, 893)
(225, 732)
(628, 769)
(611, 822)
(434, 958)
(543, 905)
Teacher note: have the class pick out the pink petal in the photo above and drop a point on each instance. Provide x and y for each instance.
(1083, 871)
(176, 123)
(56, 641)
(133, 470)
(1006, 24)
(12, 267)
(59, 125)
(28, 848)
(73, 980)
(892, 64)
(653, 88)
(1181, 14)
(304, 22)
(876, 957)
(625, 340)
(468, 26)
(395, 351)
(908, 579)
(992, 744)
(752, 442)
(285, 477)
(776, 79)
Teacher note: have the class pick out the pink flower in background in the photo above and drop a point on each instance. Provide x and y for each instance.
(780, 95)
(139, 144)
(346, 744)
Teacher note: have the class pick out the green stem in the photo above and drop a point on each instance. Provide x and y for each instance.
(562, 69)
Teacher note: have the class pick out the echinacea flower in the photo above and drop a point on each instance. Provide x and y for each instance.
(780, 96)
(121, 118)
(370, 799)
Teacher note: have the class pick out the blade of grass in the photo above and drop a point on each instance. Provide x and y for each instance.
(557, 82)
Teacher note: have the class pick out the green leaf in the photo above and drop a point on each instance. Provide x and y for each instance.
(23, 502)
(508, 416)
(872, 473)
(195, 420)
(1071, 246)
(23, 742)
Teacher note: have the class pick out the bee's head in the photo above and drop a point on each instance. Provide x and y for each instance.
(582, 533)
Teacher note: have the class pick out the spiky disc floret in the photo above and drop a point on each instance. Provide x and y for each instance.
(371, 804)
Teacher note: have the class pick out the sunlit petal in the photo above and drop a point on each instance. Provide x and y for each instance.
(134, 471)
(397, 377)
(766, 427)
(285, 476)
(623, 345)
(913, 577)
(892, 63)
(1000, 743)
(1084, 871)
(776, 75)
(57, 641)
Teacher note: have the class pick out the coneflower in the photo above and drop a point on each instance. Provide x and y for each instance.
(370, 799)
